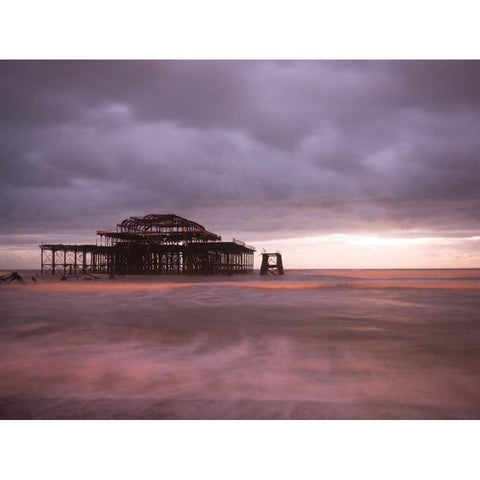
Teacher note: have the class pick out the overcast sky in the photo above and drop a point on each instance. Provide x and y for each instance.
(336, 164)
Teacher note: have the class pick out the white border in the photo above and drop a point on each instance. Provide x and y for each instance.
(238, 449)
(263, 29)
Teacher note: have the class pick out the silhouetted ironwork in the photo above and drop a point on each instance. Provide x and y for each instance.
(12, 277)
(154, 244)
(271, 263)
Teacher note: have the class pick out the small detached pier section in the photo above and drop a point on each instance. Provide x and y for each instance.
(271, 263)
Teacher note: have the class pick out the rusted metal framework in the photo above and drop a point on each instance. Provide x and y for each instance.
(154, 244)
(271, 263)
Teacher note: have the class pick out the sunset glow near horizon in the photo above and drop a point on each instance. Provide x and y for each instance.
(346, 164)
(340, 251)
(372, 251)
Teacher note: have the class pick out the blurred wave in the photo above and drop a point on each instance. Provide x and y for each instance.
(349, 344)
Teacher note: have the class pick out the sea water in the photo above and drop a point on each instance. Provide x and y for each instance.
(312, 344)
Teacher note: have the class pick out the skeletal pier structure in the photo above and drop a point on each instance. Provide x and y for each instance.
(154, 244)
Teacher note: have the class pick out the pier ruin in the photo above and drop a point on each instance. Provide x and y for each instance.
(271, 263)
(154, 244)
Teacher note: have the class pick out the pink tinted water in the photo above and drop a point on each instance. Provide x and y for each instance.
(310, 344)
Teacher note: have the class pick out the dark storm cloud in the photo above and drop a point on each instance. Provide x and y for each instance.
(257, 148)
